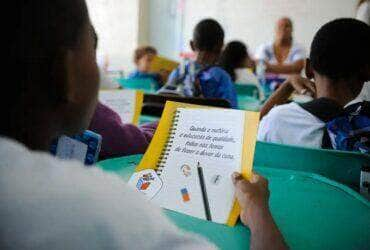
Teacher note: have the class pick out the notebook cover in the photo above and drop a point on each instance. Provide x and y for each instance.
(152, 155)
(161, 63)
(139, 100)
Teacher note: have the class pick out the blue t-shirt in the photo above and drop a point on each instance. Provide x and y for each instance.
(214, 82)
(141, 75)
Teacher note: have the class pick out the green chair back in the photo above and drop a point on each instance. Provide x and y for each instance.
(343, 167)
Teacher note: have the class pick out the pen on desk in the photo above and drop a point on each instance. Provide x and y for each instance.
(204, 193)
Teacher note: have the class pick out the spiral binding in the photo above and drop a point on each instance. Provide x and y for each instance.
(167, 146)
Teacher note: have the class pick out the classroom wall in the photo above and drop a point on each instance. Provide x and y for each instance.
(250, 20)
(144, 14)
(122, 25)
(116, 22)
(165, 26)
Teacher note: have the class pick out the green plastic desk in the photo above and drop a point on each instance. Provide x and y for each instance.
(146, 85)
(312, 212)
(343, 167)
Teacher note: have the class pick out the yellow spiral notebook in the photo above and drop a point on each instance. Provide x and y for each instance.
(126, 103)
(188, 165)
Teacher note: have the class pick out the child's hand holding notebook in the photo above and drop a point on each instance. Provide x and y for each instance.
(194, 152)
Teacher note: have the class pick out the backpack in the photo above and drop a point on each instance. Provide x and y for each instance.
(187, 82)
(346, 129)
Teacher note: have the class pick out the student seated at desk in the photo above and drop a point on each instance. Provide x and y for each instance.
(339, 64)
(143, 58)
(47, 203)
(236, 62)
(202, 77)
(119, 139)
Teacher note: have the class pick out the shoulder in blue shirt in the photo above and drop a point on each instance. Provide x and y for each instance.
(217, 83)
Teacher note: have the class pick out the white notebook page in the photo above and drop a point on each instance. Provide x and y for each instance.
(214, 138)
(120, 101)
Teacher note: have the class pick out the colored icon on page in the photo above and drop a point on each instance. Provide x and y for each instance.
(144, 182)
(147, 182)
(142, 185)
(185, 195)
(186, 170)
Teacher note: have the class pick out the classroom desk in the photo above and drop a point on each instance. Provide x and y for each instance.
(244, 103)
(312, 212)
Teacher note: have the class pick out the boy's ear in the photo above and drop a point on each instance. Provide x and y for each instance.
(308, 69)
(192, 46)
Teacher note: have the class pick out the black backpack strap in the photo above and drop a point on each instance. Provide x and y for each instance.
(326, 110)
(326, 141)
(365, 108)
(323, 108)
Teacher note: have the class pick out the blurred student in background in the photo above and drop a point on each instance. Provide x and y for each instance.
(119, 138)
(339, 64)
(143, 57)
(202, 77)
(236, 62)
(283, 56)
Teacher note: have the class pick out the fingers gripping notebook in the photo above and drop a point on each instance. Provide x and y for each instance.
(200, 151)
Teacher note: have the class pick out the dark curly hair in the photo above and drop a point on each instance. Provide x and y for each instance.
(340, 49)
(233, 57)
(36, 40)
(142, 51)
(208, 35)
